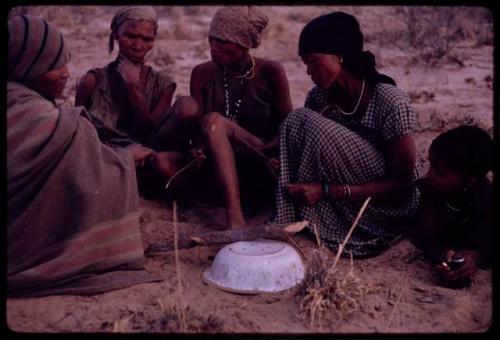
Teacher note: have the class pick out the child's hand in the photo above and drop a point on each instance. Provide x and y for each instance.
(466, 270)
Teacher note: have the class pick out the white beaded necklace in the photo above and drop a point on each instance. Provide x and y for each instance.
(357, 104)
(239, 96)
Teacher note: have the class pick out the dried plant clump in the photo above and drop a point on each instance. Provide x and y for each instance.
(328, 293)
(170, 320)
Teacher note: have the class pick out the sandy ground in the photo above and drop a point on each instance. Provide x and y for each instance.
(442, 57)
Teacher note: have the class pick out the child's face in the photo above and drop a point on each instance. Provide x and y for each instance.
(442, 178)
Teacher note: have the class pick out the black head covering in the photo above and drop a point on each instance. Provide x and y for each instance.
(334, 33)
(339, 33)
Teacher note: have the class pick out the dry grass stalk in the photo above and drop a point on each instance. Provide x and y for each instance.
(405, 284)
(327, 292)
(182, 310)
(121, 325)
(354, 224)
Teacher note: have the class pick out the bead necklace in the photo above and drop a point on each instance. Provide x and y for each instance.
(357, 104)
(239, 96)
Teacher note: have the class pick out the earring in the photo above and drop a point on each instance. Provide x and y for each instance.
(341, 59)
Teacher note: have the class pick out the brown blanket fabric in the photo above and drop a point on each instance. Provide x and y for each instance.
(72, 223)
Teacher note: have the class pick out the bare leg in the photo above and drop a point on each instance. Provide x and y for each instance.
(174, 127)
(217, 132)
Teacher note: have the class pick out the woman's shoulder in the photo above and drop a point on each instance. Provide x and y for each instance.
(205, 68)
(268, 65)
(391, 94)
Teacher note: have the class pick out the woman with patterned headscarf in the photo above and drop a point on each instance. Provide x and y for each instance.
(72, 223)
(353, 140)
(130, 102)
(243, 100)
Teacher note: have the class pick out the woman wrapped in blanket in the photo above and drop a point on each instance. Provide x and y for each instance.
(131, 102)
(243, 100)
(72, 222)
(352, 140)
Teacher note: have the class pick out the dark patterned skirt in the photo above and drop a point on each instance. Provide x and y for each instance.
(317, 149)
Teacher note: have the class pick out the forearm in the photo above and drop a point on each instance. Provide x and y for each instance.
(139, 108)
(381, 190)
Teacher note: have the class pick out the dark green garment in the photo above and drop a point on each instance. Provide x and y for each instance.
(113, 121)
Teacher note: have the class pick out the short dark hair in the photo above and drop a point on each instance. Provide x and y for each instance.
(466, 149)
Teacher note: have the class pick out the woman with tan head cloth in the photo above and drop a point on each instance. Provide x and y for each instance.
(243, 100)
(130, 101)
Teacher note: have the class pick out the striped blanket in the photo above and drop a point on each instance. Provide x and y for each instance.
(72, 223)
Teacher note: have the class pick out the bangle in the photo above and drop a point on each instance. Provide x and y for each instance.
(346, 192)
(326, 190)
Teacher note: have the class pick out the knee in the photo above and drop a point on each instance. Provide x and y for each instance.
(186, 108)
(211, 122)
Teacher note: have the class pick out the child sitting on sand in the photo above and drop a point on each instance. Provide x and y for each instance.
(454, 221)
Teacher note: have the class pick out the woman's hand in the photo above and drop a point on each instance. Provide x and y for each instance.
(141, 154)
(273, 164)
(306, 193)
(199, 155)
(129, 71)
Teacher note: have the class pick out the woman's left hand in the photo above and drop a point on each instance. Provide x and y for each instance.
(306, 193)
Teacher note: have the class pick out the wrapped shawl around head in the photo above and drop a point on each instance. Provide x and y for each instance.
(72, 223)
(35, 48)
(240, 25)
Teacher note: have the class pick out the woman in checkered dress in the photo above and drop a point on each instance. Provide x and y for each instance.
(352, 140)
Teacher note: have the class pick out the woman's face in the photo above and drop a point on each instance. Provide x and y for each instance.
(135, 39)
(225, 52)
(51, 84)
(323, 68)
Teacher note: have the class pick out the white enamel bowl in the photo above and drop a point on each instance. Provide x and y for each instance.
(253, 267)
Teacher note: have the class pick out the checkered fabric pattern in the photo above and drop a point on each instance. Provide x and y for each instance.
(331, 148)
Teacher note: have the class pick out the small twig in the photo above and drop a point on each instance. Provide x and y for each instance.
(405, 283)
(179, 172)
(316, 233)
(296, 246)
(354, 224)
(182, 313)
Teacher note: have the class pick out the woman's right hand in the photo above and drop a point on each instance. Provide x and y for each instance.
(306, 193)
(199, 155)
(129, 71)
(141, 154)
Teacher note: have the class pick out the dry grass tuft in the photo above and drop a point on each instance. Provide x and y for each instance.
(193, 321)
(328, 293)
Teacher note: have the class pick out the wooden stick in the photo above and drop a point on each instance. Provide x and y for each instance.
(182, 311)
(354, 224)
(405, 283)
(269, 231)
